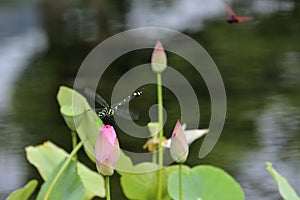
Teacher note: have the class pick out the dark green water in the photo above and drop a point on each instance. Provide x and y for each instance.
(42, 46)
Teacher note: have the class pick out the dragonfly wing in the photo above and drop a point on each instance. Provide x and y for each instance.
(229, 10)
(124, 101)
(127, 99)
(243, 19)
(91, 95)
(98, 110)
(127, 114)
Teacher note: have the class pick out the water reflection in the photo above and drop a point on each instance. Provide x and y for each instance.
(277, 126)
(178, 15)
(268, 7)
(259, 63)
(15, 54)
(81, 24)
(23, 40)
(190, 15)
(291, 75)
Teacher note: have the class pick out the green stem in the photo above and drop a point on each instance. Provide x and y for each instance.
(62, 169)
(180, 181)
(154, 156)
(154, 153)
(107, 186)
(74, 143)
(161, 133)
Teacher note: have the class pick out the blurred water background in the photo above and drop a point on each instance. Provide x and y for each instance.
(42, 44)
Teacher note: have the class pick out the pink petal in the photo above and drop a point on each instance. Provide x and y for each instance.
(109, 133)
(159, 58)
(179, 146)
(102, 147)
(176, 129)
(105, 142)
(107, 150)
(114, 154)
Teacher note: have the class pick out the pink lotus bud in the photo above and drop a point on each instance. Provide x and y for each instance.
(179, 146)
(107, 150)
(159, 58)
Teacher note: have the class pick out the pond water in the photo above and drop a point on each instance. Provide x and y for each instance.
(43, 44)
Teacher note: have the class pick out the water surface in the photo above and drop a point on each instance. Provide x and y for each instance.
(43, 44)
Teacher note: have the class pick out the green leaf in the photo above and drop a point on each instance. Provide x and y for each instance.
(92, 182)
(88, 125)
(67, 187)
(46, 158)
(143, 183)
(71, 115)
(25, 192)
(285, 189)
(124, 164)
(206, 183)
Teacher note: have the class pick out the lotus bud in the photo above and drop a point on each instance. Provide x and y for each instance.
(159, 58)
(179, 146)
(107, 150)
(153, 128)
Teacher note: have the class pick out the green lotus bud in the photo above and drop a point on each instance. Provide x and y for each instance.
(154, 128)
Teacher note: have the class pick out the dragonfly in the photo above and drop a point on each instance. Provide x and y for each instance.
(107, 112)
(233, 18)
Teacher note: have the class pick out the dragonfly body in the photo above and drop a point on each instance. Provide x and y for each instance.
(233, 18)
(106, 115)
(107, 112)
